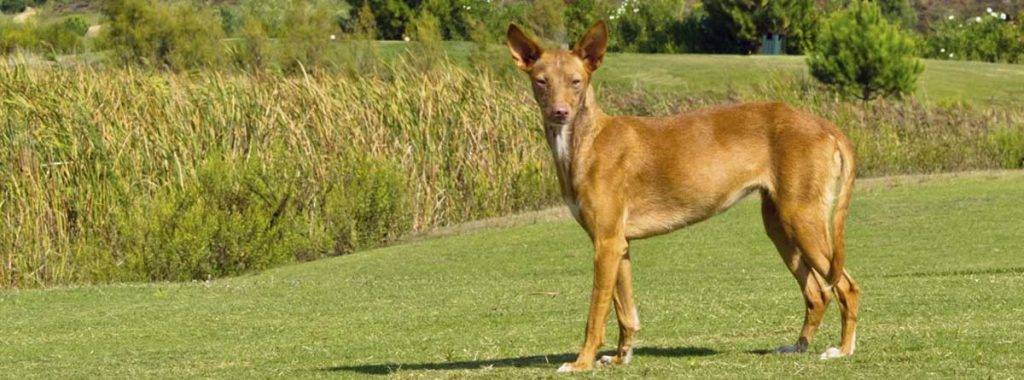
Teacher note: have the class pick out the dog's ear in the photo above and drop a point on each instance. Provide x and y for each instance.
(592, 46)
(524, 50)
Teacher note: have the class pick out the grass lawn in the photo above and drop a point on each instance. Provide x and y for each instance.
(939, 259)
(942, 81)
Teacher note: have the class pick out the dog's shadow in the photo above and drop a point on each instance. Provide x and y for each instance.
(519, 362)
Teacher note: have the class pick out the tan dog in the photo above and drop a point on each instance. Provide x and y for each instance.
(628, 178)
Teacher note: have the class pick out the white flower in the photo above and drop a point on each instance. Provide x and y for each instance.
(1002, 16)
(951, 17)
(406, 38)
(978, 19)
(950, 55)
(333, 37)
(988, 10)
(635, 10)
(943, 50)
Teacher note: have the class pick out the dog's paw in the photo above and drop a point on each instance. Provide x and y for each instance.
(791, 349)
(832, 353)
(571, 367)
(616, 359)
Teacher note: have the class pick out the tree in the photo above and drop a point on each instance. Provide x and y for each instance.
(736, 26)
(861, 54)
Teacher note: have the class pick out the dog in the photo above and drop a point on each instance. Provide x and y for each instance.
(627, 178)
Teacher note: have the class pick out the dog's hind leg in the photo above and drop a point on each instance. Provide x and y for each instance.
(848, 293)
(815, 299)
(809, 231)
(625, 311)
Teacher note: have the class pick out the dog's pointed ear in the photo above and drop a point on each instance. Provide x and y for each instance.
(525, 51)
(591, 47)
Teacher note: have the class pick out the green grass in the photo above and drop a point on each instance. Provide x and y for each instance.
(942, 81)
(979, 83)
(939, 260)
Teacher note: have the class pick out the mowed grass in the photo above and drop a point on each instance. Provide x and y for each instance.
(978, 83)
(942, 81)
(939, 260)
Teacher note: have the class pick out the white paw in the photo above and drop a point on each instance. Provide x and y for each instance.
(610, 359)
(565, 368)
(831, 353)
(789, 349)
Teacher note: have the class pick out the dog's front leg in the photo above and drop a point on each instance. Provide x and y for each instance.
(625, 310)
(608, 252)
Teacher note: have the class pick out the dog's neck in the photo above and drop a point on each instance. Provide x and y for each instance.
(568, 141)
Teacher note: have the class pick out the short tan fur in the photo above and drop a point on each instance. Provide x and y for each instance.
(627, 178)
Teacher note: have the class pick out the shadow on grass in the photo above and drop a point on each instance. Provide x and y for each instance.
(536, 361)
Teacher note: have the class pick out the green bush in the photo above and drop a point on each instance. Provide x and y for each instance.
(655, 26)
(861, 54)
(992, 38)
(177, 36)
(14, 6)
(252, 50)
(236, 217)
(63, 36)
(367, 205)
(76, 25)
(16, 36)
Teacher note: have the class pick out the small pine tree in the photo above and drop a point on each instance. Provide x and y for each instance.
(861, 54)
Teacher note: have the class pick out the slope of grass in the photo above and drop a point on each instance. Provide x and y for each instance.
(939, 260)
(942, 81)
(979, 83)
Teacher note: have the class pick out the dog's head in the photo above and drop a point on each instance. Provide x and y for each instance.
(560, 77)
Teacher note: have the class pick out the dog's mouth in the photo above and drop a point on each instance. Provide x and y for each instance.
(557, 121)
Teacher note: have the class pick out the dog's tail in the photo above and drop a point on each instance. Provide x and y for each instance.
(848, 173)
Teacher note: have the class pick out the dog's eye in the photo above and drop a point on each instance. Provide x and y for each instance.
(576, 82)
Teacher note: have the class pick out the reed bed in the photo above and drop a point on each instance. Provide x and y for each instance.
(118, 174)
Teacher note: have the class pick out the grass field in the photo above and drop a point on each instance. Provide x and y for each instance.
(979, 83)
(939, 259)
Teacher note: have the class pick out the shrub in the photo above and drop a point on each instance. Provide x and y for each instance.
(991, 38)
(13, 6)
(76, 25)
(176, 36)
(736, 26)
(654, 26)
(235, 217)
(63, 36)
(367, 205)
(14, 36)
(252, 50)
(860, 54)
